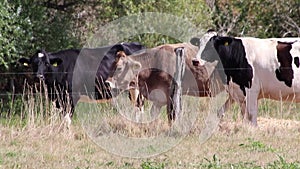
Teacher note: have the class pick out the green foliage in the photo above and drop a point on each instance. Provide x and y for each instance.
(110, 163)
(214, 163)
(283, 164)
(260, 18)
(110, 10)
(27, 26)
(11, 105)
(152, 165)
(12, 33)
(280, 163)
(255, 145)
(47, 28)
(11, 154)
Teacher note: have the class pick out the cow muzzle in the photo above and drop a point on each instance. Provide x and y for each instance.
(197, 62)
(40, 76)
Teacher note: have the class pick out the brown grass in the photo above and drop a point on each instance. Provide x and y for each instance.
(49, 147)
(45, 143)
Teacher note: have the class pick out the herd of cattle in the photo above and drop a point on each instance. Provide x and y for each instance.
(246, 68)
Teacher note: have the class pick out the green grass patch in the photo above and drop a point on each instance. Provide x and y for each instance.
(152, 165)
(11, 154)
(256, 145)
(283, 164)
(215, 163)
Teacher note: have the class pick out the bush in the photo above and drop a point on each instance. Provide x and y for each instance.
(261, 18)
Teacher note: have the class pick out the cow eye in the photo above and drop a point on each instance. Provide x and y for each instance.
(118, 69)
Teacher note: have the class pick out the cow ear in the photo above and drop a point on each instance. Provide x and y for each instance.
(55, 62)
(24, 61)
(195, 41)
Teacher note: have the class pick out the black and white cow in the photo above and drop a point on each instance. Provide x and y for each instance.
(262, 68)
(56, 70)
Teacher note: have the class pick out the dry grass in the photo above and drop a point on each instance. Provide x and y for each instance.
(41, 147)
(45, 143)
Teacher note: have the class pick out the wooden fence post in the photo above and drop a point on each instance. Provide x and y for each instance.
(175, 105)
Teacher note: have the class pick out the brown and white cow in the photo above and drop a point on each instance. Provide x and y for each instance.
(151, 73)
(262, 68)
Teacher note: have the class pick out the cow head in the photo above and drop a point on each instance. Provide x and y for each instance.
(107, 64)
(125, 75)
(42, 64)
(207, 52)
(288, 57)
(201, 42)
(231, 56)
(284, 72)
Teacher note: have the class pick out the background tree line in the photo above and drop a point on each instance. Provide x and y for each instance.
(29, 25)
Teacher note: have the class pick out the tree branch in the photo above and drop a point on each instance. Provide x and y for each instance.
(292, 23)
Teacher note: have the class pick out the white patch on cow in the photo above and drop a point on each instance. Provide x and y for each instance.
(203, 42)
(295, 52)
(40, 55)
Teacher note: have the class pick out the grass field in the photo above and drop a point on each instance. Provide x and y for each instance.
(44, 141)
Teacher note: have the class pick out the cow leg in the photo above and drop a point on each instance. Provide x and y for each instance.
(140, 103)
(137, 101)
(236, 95)
(243, 109)
(228, 104)
(135, 97)
(73, 101)
(159, 99)
(99, 89)
(155, 110)
(170, 112)
(252, 106)
(225, 107)
(69, 108)
(140, 106)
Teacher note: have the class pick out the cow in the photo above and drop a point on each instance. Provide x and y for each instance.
(56, 70)
(262, 68)
(151, 72)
